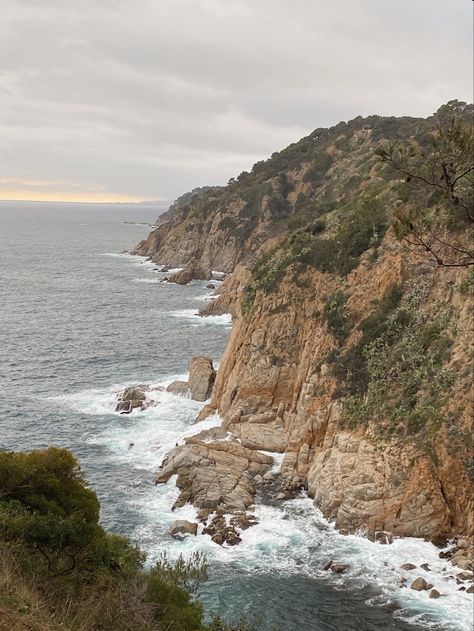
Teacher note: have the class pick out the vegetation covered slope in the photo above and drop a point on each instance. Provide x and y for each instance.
(331, 169)
(351, 288)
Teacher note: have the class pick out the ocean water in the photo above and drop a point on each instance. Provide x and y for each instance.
(79, 320)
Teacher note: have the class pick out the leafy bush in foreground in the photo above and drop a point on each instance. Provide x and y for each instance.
(59, 569)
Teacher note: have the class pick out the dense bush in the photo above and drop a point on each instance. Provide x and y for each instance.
(359, 227)
(60, 569)
(402, 379)
(336, 316)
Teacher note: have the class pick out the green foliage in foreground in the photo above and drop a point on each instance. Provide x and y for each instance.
(60, 569)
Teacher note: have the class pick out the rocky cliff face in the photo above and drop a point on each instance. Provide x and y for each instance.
(349, 354)
(277, 389)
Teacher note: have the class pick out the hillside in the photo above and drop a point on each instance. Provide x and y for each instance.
(352, 339)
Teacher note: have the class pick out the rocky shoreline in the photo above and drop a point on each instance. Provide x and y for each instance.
(349, 356)
(224, 478)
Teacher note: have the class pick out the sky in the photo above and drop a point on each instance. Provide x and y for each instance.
(129, 100)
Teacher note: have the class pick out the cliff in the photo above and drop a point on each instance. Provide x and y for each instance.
(349, 352)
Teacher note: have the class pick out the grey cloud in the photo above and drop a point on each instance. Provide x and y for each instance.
(152, 97)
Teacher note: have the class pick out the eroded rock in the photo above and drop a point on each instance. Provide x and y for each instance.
(131, 398)
(183, 527)
(213, 475)
(191, 271)
(180, 388)
(201, 378)
(419, 584)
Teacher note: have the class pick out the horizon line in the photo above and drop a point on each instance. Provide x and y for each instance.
(85, 201)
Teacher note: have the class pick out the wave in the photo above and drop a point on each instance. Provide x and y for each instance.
(291, 538)
(197, 320)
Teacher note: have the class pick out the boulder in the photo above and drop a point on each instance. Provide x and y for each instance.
(434, 593)
(328, 565)
(419, 584)
(180, 388)
(408, 566)
(183, 527)
(201, 378)
(191, 271)
(463, 563)
(338, 568)
(425, 567)
(210, 286)
(130, 399)
(381, 536)
(464, 576)
(470, 590)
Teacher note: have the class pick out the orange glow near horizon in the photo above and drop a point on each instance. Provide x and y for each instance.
(22, 195)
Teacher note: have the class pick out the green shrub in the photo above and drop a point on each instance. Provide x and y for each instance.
(77, 576)
(399, 374)
(336, 317)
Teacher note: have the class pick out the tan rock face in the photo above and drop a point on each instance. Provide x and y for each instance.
(215, 475)
(276, 388)
(276, 393)
(201, 378)
(192, 271)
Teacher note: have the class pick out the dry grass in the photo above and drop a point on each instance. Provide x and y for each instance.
(24, 605)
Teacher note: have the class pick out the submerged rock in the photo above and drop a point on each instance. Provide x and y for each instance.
(339, 568)
(381, 536)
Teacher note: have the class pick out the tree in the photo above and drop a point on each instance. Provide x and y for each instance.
(437, 213)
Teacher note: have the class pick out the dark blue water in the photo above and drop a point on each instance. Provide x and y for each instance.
(77, 321)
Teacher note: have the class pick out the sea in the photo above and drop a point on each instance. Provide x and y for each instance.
(80, 319)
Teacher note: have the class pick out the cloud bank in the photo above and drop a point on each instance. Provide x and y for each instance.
(145, 99)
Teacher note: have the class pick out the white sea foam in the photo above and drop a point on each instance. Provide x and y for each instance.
(153, 281)
(193, 317)
(206, 297)
(292, 538)
(277, 460)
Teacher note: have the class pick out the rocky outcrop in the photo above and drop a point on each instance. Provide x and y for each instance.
(214, 473)
(191, 271)
(131, 399)
(307, 341)
(201, 378)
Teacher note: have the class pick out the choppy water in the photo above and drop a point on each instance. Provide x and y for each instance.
(78, 321)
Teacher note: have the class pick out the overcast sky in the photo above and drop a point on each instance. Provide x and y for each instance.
(146, 99)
